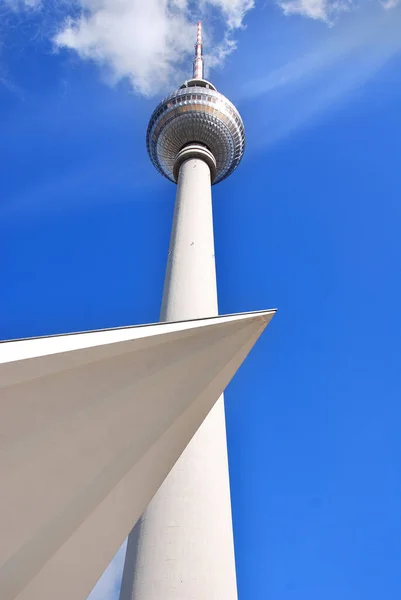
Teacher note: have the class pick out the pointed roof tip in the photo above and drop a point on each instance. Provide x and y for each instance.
(263, 317)
(266, 316)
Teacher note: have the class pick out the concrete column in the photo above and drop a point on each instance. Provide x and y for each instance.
(182, 548)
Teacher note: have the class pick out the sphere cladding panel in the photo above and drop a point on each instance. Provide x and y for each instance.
(196, 114)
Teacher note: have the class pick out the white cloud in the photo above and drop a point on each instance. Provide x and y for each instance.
(391, 4)
(324, 10)
(323, 74)
(141, 40)
(149, 42)
(233, 10)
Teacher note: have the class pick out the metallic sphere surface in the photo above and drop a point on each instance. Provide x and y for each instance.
(196, 113)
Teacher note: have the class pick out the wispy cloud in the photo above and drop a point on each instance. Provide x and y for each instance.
(391, 3)
(324, 10)
(321, 77)
(17, 5)
(233, 10)
(327, 10)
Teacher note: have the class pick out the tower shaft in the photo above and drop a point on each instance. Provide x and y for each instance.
(182, 548)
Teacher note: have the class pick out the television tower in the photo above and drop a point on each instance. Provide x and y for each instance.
(93, 423)
(182, 548)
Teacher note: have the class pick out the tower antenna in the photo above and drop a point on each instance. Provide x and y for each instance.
(198, 60)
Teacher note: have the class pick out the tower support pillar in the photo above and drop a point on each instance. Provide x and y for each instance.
(182, 548)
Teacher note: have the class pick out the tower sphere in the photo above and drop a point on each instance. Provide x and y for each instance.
(196, 113)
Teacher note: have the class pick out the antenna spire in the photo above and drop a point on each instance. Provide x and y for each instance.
(198, 60)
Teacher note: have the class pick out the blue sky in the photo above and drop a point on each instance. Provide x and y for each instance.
(309, 223)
